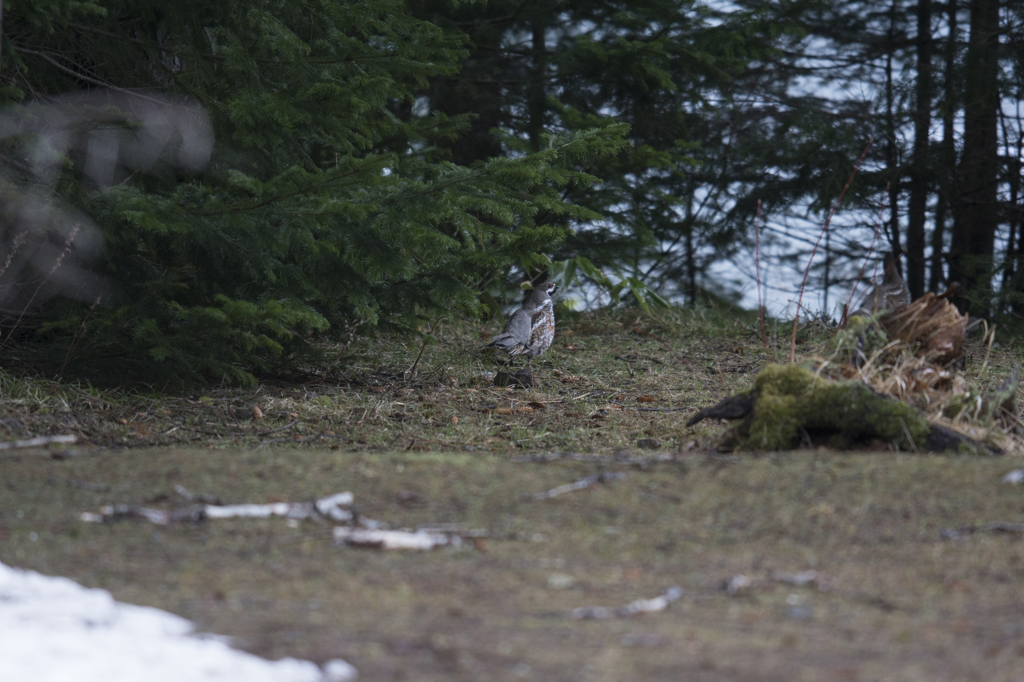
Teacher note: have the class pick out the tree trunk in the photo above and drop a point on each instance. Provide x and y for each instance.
(947, 158)
(920, 169)
(1010, 287)
(975, 215)
(892, 161)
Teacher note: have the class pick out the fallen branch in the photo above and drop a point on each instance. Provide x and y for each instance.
(995, 527)
(333, 507)
(421, 540)
(659, 603)
(36, 442)
(581, 484)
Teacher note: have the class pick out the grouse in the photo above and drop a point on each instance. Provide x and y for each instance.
(531, 329)
(890, 294)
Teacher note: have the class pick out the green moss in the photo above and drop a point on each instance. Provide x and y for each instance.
(792, 400)
(860, 332)
(788, 379)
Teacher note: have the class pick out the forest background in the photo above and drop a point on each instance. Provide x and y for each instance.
(196, 192)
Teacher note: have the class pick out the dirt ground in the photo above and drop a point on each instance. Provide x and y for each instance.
(893, 598)
(911, 580)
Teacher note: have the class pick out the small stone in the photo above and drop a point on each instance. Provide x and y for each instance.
(521, 379)
(561, 581)
(738, 584)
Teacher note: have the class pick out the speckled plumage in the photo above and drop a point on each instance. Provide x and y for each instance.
(530, 329)
(890, 294)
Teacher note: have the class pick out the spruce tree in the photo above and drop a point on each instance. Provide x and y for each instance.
(681, 74)
(325, 208)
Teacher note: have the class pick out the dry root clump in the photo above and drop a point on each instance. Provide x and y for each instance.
(915, 354)
(931, 325)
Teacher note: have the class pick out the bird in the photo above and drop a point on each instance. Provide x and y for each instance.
(888, 295)
(531, 329)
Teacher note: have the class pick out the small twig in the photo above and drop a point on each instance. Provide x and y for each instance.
(78, 334)
(60, 259)
(87, 79)
(281, 428)
(991, 334)
(430, 333)
(824, 229)
(577, 485)
(16, 243)
(657, 409)
(910, 439)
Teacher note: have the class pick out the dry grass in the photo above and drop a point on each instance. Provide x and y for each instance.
(609, 381)
(925, 364)
(894, 599)
(605, 384)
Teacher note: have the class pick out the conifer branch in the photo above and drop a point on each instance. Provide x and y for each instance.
(88, 79)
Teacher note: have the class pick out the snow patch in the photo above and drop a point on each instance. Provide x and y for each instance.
(56, 630)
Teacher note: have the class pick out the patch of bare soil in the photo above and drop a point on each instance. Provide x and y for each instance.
(806, 565)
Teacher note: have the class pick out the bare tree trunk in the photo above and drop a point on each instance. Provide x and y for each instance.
(891, 152)
(920, 170)
(1012, 257)
(947, 158)
(975, 215)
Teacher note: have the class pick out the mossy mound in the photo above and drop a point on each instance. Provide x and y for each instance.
(793, 401)
(790, 403)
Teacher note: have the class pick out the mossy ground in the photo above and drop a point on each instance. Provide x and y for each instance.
(898, 602)
(792, 401)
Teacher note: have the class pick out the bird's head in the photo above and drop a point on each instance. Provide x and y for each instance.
(540, 294)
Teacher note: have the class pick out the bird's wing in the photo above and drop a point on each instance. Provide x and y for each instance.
(519, 325)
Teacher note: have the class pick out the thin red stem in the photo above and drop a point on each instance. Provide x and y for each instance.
(824, 229)
(864, 265)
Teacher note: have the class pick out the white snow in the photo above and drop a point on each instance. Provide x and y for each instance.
(1016, 476)
(53, 629)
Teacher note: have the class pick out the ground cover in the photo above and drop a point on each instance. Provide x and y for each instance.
(811, 564)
